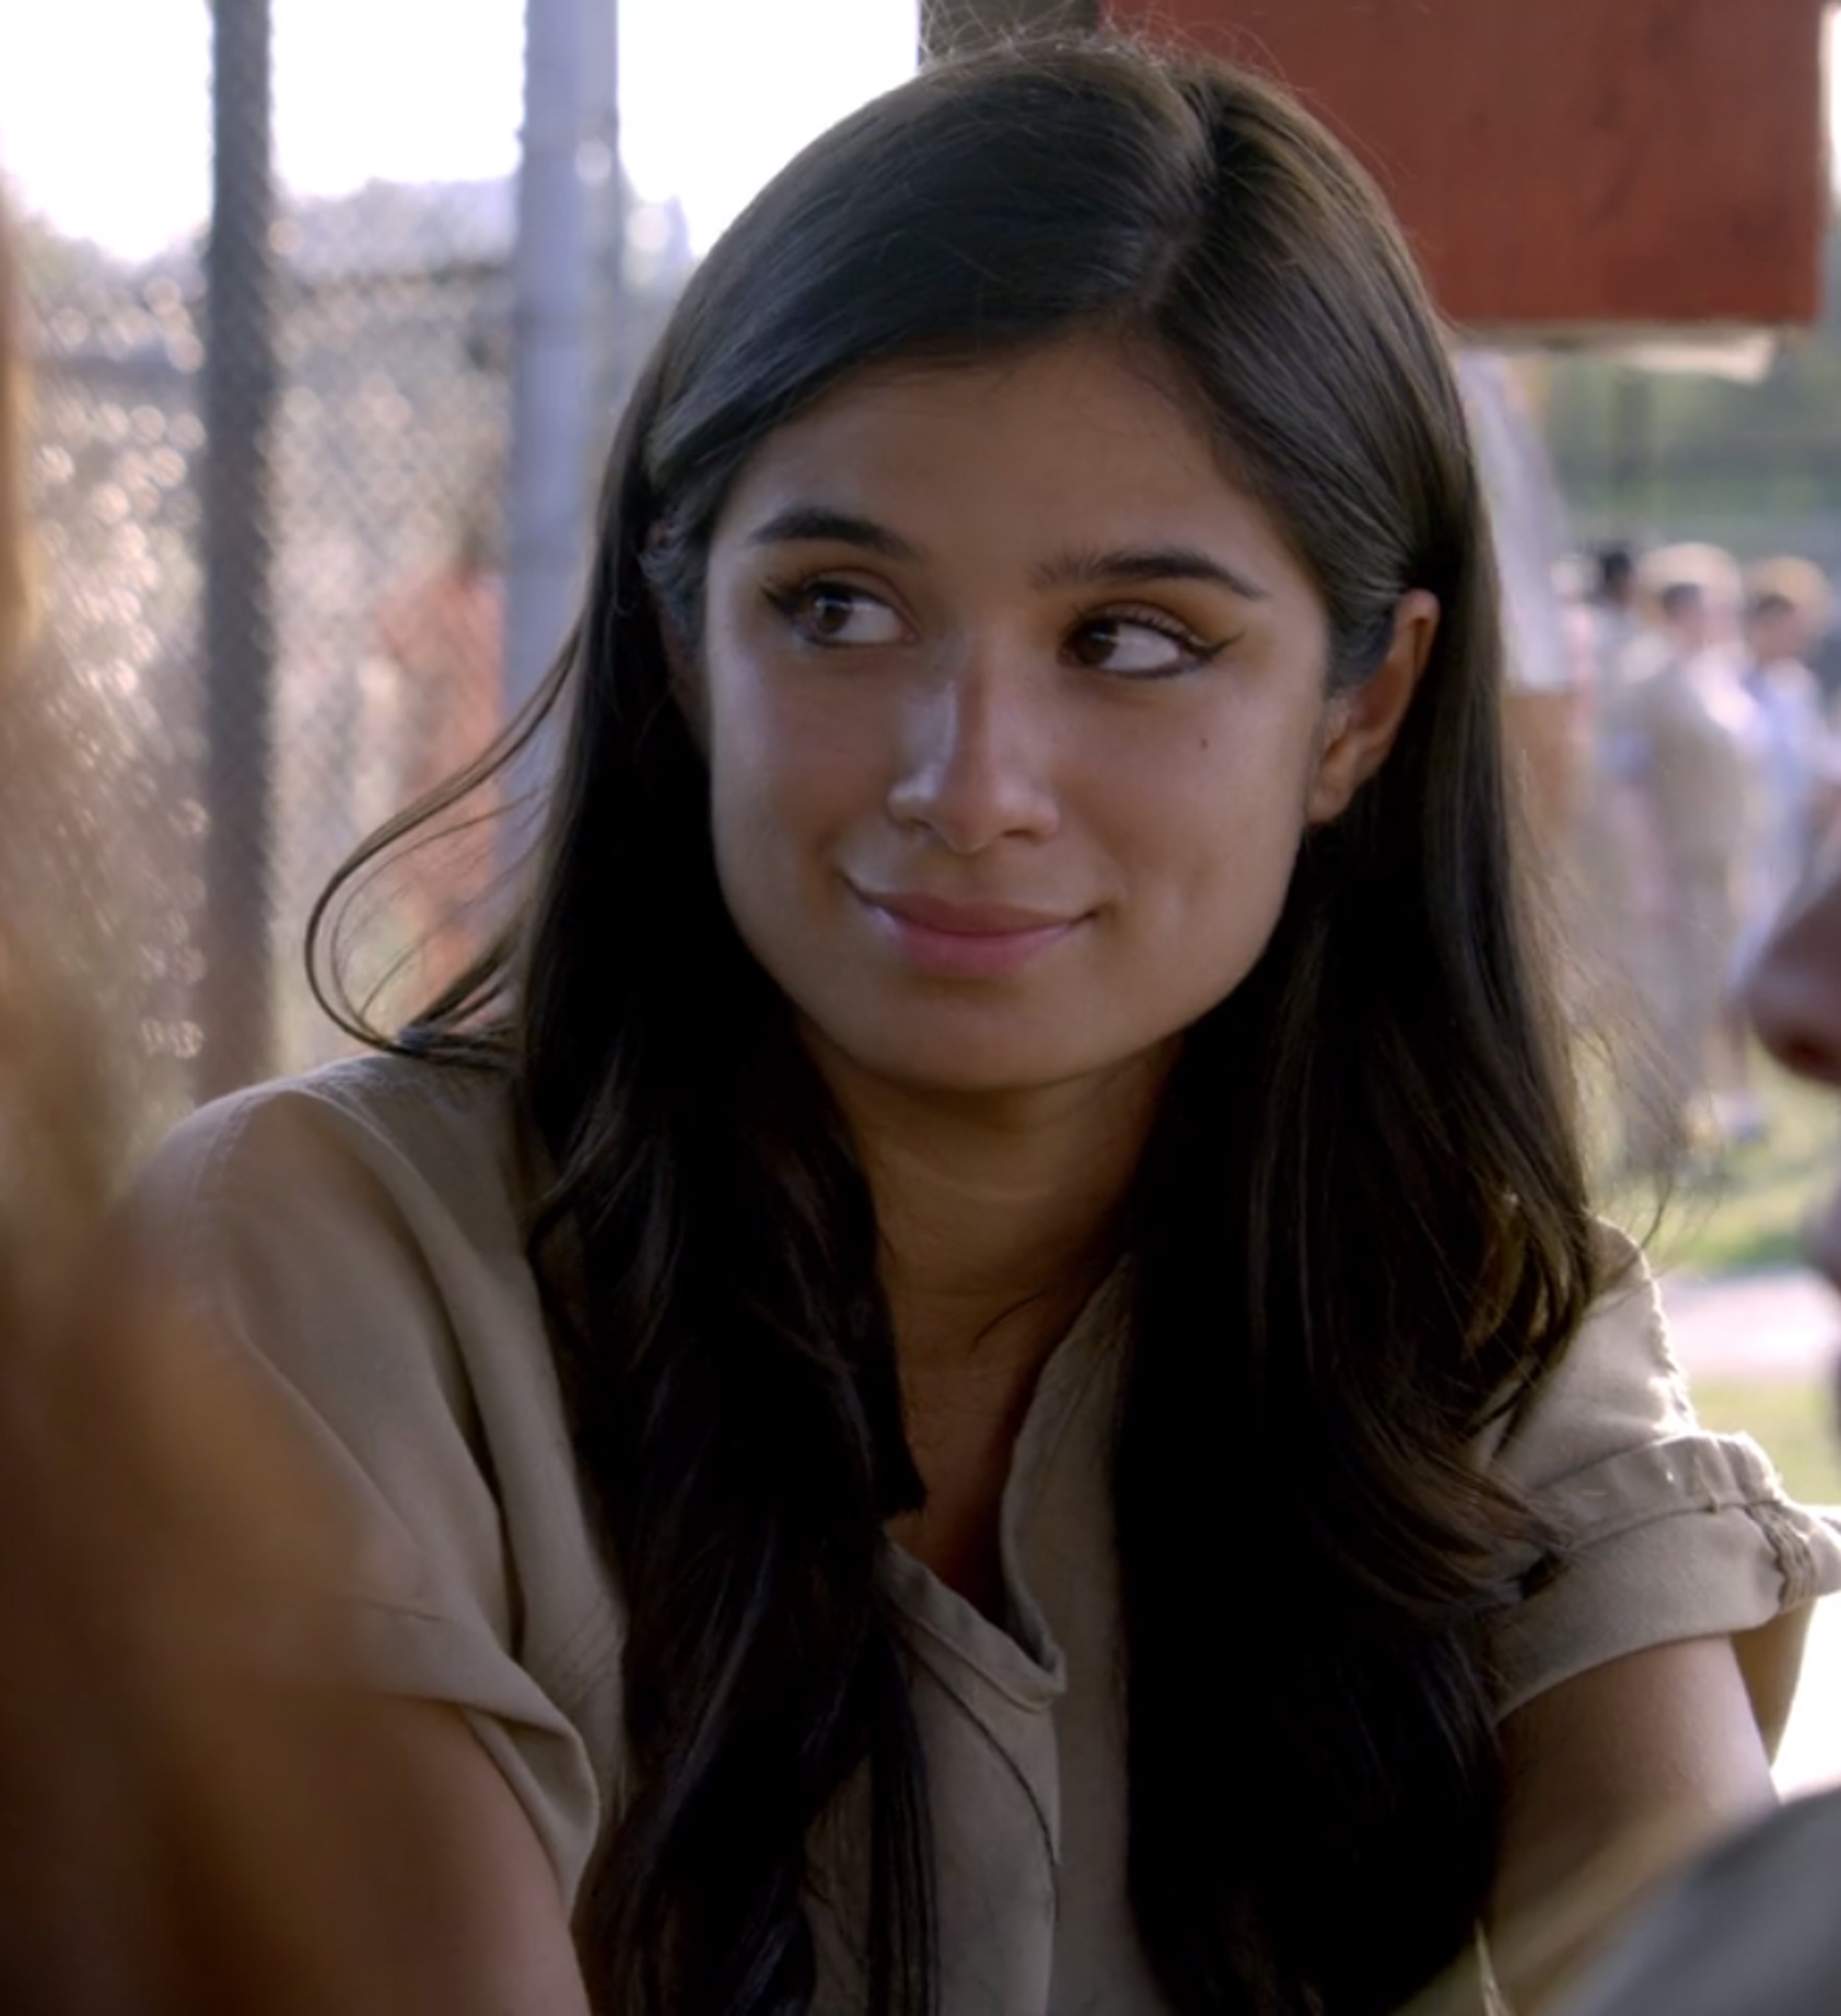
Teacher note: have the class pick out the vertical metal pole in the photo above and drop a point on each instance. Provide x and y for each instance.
(614, 366)
(240, 378)
(551, 312)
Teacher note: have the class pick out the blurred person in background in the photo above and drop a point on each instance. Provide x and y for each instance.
(440, 636)
(1787, 606)
(1689, 761)
(1619, 884)
(1615, 603)
(1612, 607)
(441, 631)
(1755, 1930)
(1825, 654)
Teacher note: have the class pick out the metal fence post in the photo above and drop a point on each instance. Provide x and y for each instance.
(239, 394)
(565, 117)
(614, 366)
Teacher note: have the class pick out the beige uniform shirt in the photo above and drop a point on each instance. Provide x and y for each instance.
(355, 1233)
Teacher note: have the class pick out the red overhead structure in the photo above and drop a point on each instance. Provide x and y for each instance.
(1567, 163)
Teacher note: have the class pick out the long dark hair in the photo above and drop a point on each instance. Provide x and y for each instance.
(1359, 1227)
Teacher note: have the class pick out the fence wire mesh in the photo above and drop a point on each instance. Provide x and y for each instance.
(266, 470)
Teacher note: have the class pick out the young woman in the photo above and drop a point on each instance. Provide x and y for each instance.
(960, 1377)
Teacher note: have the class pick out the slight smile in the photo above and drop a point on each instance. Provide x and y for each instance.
(963, 940)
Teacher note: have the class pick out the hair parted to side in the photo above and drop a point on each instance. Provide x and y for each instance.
(1361, 1227)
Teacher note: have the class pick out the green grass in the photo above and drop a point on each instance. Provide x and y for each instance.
(1794, 1419)
(1745, 1208)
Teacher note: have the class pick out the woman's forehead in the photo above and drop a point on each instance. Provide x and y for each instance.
(1087, 429)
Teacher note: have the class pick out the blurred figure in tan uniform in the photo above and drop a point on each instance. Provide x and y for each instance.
(1787, 608)
(1691, 737)
(442, 633)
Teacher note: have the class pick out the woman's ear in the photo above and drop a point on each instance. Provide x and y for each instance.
(1359, 725)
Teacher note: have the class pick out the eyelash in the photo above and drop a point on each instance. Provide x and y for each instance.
(1197, 651)
(791, 599)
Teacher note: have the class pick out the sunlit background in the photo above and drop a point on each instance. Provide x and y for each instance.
(381, 663)
(397, 129)
(389, 552)
(104, 127)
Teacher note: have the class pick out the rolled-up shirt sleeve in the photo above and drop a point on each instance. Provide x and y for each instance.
(1663, 1532)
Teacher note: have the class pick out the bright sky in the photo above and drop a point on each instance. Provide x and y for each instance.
(104, 125)
(103, 128)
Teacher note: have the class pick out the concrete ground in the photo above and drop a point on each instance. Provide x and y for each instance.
(1787, 1323)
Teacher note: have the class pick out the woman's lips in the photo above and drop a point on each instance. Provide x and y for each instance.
(964, 940)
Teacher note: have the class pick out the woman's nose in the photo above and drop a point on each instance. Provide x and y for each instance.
(1794, 992)
(976, 764)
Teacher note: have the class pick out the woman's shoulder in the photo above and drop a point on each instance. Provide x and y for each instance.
(397, 1124)
(1662, 1531)
(1616, 1384)
(357, 1233)
(345, 1252)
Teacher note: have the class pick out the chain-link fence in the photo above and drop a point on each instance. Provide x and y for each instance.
(272, 579)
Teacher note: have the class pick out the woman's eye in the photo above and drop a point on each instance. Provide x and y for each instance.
(1135, 648)
(827, 612)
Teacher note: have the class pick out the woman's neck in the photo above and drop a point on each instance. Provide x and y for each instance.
(995, 1211)
(998, 1218)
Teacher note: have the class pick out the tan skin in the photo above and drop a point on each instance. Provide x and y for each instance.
(995, 1226)
(917, 677)
(970, 701)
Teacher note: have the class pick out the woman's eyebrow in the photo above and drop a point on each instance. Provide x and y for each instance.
(1146, 563)
(819, 521)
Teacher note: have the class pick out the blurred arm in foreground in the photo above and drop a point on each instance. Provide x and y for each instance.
(195, 1814)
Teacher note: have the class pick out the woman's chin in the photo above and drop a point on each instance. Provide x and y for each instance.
(956, 1064)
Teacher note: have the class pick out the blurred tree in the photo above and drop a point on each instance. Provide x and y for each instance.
(1759, 457)
(50, 263)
